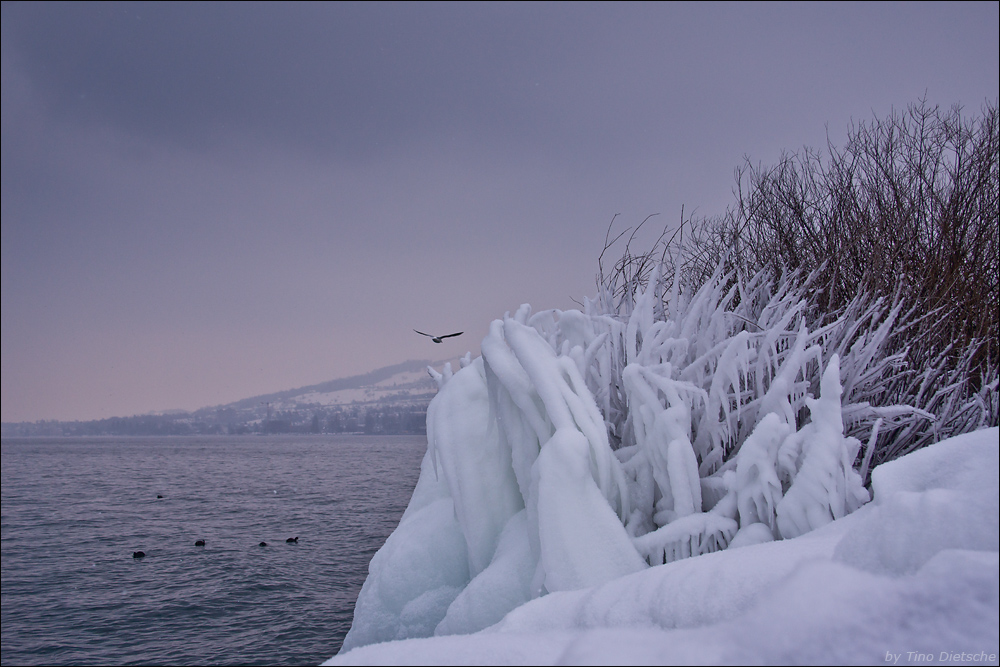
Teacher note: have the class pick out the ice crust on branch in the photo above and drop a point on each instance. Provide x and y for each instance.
(585, 445)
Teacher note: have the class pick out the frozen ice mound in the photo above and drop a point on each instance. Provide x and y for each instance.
(591, 475)
(851, 592)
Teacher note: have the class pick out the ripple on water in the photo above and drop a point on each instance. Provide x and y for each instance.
(74, 510)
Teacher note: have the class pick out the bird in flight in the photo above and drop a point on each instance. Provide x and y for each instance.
(438, 339)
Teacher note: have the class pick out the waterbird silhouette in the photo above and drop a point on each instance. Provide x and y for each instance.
(263, 544)
(292, 540)
(138, 554)
(438, 339)
(200, 543)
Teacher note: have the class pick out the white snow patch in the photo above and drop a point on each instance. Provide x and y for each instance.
(915, 574)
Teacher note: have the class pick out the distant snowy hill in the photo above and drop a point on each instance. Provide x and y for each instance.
(392, 399)
(406, 383)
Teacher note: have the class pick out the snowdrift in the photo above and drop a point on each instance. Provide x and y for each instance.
(671, 487)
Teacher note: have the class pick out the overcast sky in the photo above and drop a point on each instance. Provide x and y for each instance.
(206, 202)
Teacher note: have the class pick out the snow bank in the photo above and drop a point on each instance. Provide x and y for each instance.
(911, 575)
(669, 488)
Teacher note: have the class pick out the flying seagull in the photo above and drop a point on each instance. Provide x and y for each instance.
(438, 339)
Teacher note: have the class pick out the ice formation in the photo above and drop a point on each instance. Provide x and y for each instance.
(599, 469)
(913, 576)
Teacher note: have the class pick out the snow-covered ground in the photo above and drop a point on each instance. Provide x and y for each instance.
(911, 577)
(724, 527)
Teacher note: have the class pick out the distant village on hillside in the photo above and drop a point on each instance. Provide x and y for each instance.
(388, 401)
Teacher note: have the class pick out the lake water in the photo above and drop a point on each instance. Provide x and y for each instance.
(75, 510)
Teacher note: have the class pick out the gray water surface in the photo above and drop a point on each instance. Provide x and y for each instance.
(74, 510)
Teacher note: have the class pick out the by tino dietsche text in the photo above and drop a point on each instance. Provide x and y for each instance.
(944, 656)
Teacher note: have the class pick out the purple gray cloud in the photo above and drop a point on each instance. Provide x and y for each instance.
(202, 202)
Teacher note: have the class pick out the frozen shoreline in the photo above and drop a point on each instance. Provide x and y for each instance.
(913, 576)
(681, 479)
